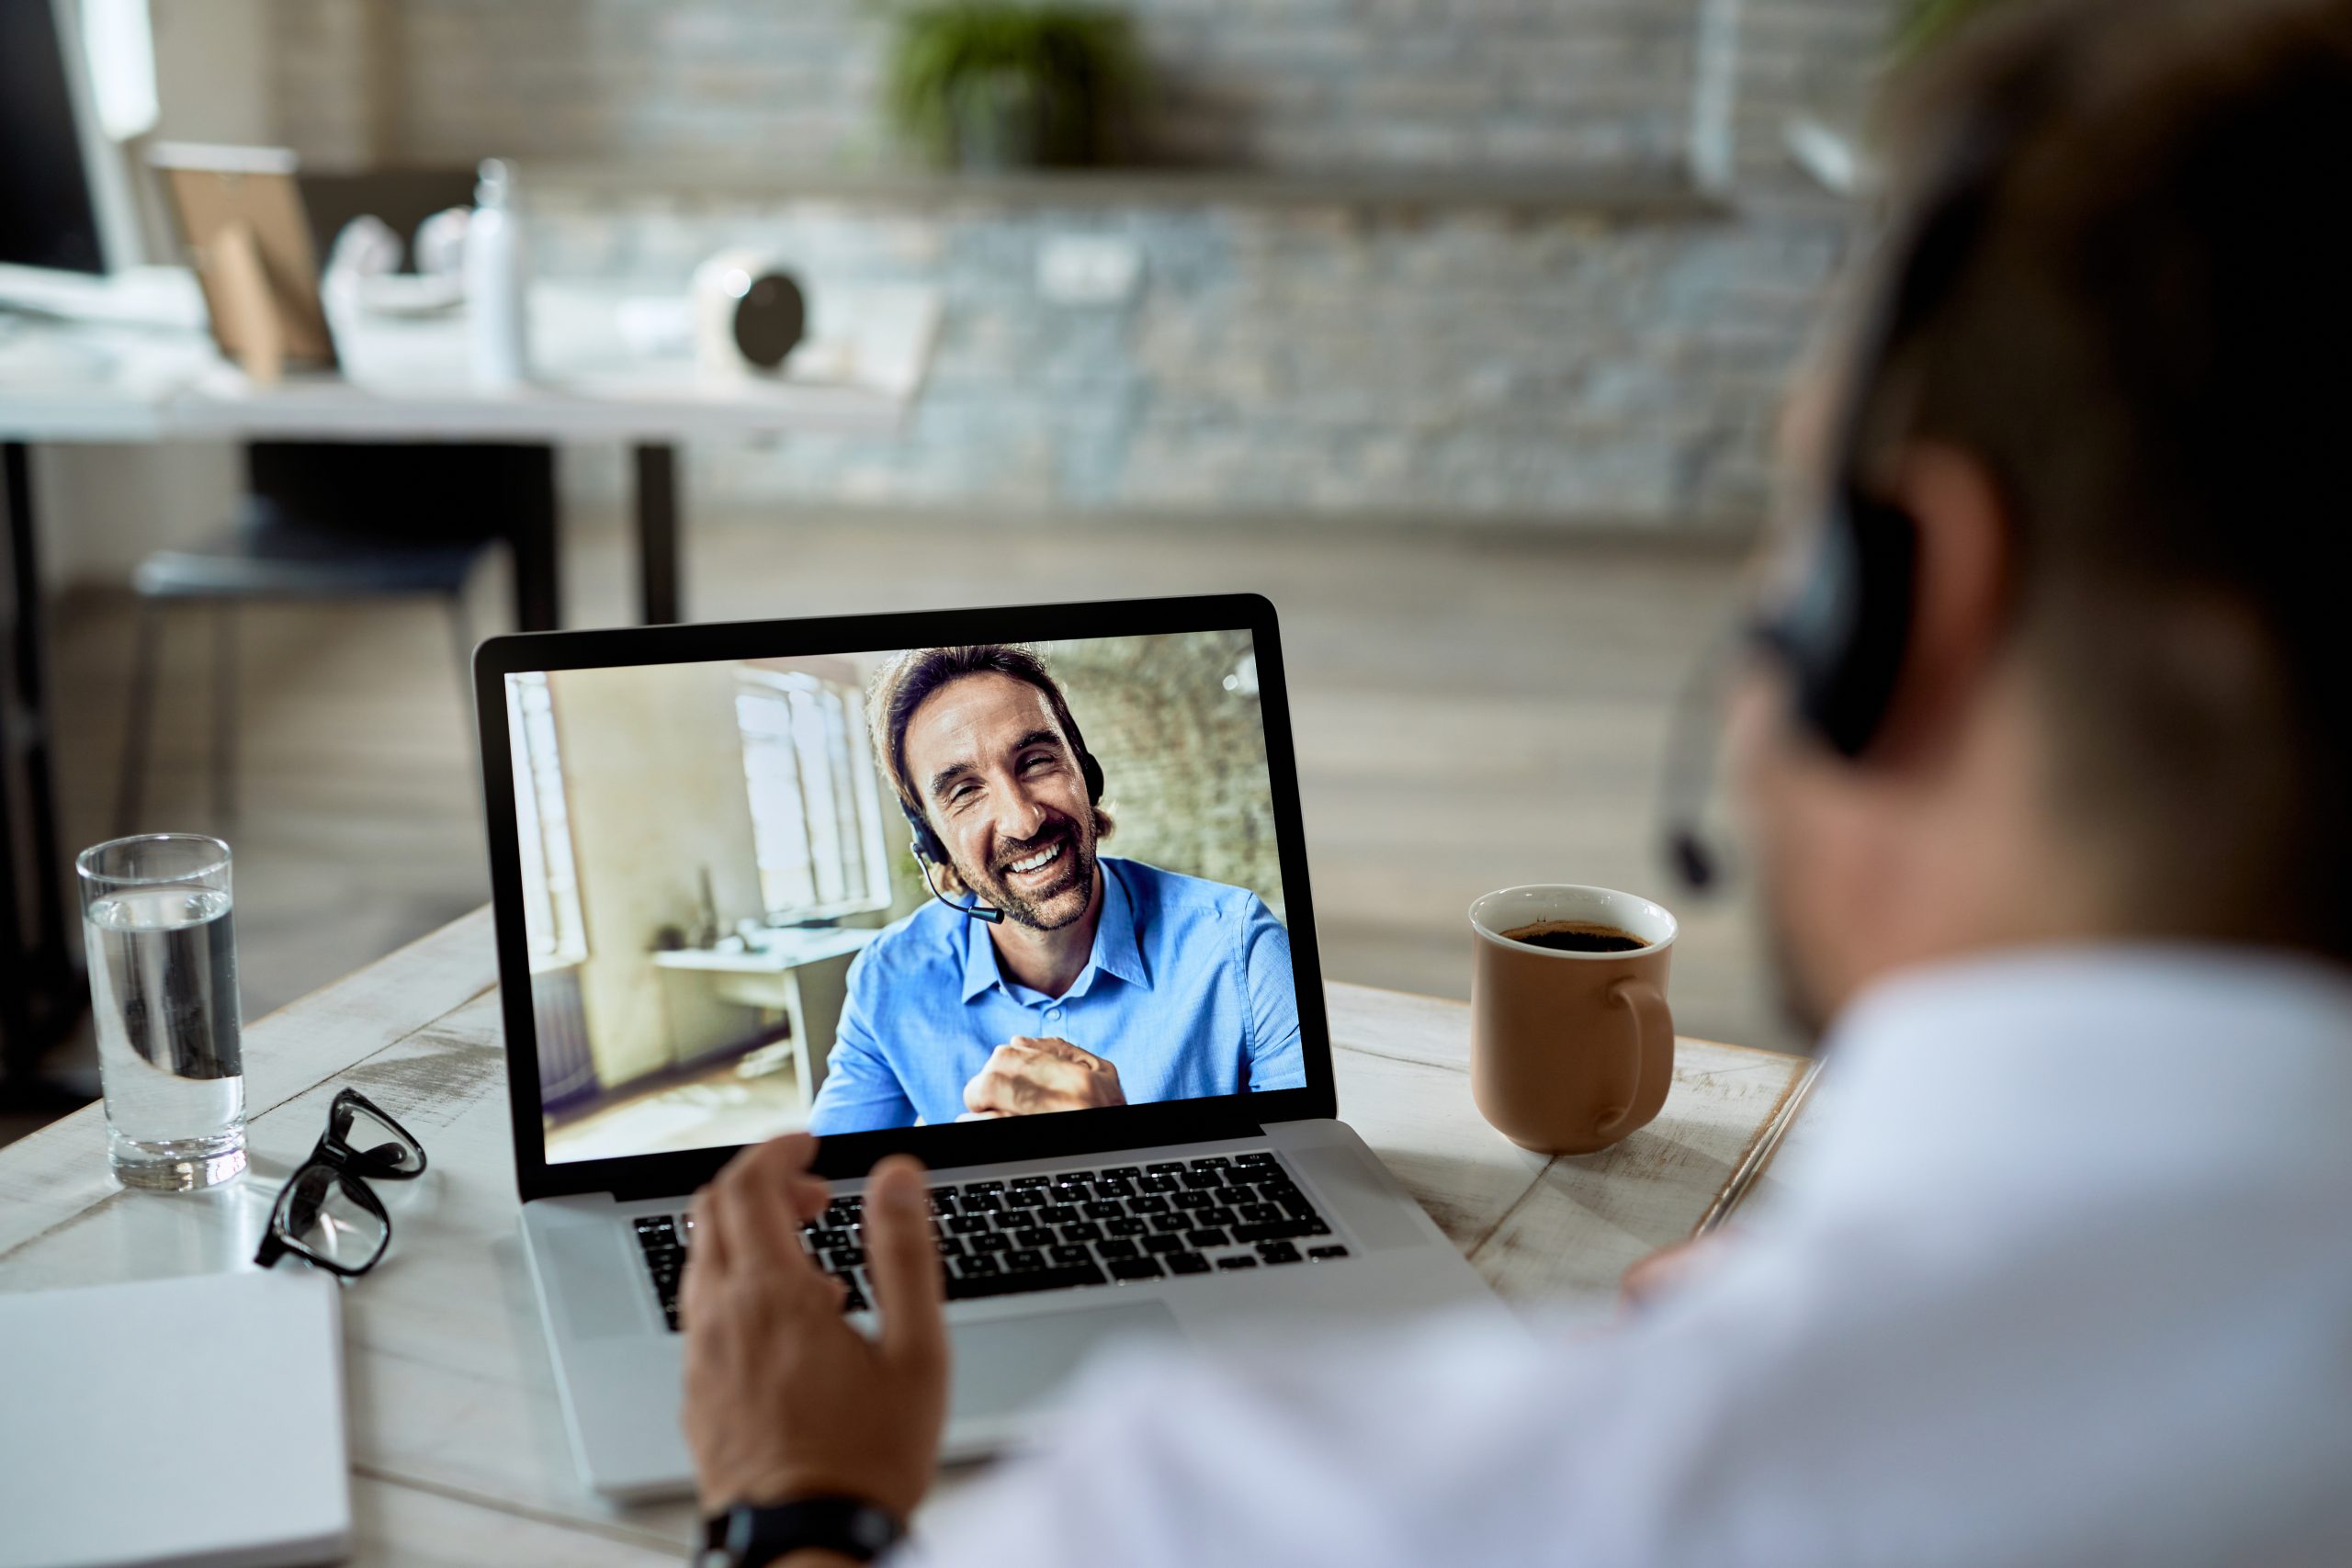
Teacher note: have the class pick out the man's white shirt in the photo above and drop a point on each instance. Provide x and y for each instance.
(2064, 1275)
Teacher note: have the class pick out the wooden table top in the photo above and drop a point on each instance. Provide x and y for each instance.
(459, 1453)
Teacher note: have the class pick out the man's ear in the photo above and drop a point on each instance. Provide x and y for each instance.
(1962, 595)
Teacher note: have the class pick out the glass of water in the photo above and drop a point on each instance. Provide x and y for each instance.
(163, 991)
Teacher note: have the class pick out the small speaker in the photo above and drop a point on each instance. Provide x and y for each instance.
(749, 314)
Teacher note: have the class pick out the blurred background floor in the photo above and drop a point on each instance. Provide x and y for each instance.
(1475, 707)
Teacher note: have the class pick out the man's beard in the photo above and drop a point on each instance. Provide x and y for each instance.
(1047, 908)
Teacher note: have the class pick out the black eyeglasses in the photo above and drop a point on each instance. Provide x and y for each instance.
(325, 1214)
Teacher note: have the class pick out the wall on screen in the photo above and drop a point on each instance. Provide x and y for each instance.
(653, 778)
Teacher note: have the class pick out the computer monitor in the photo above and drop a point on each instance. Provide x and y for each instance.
(69, 227)
(788, 875)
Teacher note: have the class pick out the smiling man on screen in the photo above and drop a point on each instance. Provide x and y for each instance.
(1103, 981)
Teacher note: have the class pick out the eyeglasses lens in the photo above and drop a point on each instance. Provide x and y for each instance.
(324, 1217)
(383, 1150)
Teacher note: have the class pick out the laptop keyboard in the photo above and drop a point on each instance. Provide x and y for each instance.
(1104, 1226)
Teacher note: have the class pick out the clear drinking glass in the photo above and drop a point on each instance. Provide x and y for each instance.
(163, 993)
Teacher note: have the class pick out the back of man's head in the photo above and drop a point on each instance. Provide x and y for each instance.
(2149, 348)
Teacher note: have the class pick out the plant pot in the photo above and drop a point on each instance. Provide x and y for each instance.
(999, 122)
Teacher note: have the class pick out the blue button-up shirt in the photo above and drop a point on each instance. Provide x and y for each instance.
(1187, 992)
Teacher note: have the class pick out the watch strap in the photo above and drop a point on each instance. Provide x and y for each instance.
(753, 1535)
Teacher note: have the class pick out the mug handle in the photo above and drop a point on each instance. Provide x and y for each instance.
(1653, 1049)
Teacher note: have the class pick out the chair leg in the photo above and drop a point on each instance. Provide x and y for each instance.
(144, 657)
(224, 714)
(461, 628)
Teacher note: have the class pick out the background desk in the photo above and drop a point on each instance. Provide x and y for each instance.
(457, 1447)
(867, 352)
(860, 370)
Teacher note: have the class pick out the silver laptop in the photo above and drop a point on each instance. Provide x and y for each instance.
(1019, 891)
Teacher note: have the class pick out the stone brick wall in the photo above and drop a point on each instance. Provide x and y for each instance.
(1183, 756)
(1284, 358)
(1557, 366)
(1284, 83)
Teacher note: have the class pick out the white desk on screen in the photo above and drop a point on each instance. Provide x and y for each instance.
(800, 976)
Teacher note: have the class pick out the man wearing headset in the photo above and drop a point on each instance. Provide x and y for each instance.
(2047, 752)
(1065, 979)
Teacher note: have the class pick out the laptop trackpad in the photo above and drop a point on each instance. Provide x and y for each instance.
(1011, 1364)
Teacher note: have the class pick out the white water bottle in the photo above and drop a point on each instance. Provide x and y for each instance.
(495, 302)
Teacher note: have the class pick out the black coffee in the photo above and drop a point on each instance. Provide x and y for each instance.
(1576, 936)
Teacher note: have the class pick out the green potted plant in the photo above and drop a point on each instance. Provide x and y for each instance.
(990, 85)
(1834, 146)
(1927, 23)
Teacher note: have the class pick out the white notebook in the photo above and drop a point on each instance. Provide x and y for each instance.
(196, 1420)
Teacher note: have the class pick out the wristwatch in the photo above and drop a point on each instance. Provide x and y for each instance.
(750, 1535)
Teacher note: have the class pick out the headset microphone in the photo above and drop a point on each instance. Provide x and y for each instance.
(1842, 630)
(1695, 862)
(975, 910)
(1689, 775)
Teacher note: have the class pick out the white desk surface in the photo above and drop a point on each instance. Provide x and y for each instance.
(457, 1447)
(863, 361)
(776, 951)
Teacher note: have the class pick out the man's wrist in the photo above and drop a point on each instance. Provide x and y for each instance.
(796, 1484)
(825, 1528)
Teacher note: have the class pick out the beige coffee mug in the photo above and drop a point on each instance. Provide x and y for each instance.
(1569, 1051)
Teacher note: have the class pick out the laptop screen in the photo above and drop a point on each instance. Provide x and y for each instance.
(878, 890)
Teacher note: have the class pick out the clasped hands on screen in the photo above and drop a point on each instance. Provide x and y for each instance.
(1026, 1075)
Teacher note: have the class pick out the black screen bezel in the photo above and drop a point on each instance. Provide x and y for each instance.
(1067, 1134)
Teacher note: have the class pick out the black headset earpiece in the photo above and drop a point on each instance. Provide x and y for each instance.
(1843, 635)
(927, 846)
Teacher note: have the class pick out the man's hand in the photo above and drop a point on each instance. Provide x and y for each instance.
(784, 1398)
(1026, 1076)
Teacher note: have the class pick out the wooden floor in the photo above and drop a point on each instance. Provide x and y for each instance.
(1475, 708)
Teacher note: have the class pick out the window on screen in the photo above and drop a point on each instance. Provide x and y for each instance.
(552, 922)
(816, 804)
